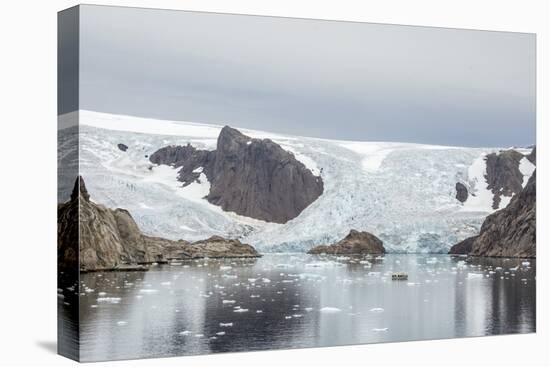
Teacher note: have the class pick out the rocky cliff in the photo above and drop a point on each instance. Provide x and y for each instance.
(354, 243)
(110, 238)
(251, 177)
(503, 176)
(509, 232)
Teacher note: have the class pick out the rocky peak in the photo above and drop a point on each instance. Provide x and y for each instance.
(251, 177)
(79, 190)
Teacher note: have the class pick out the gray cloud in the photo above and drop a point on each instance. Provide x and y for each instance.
(328, 79)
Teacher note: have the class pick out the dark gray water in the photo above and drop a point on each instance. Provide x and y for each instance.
(297, 300)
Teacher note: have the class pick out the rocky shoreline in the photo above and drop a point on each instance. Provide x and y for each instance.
(509, 232)
(92, 237)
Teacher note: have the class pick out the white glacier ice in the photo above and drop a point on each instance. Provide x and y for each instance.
(403, 193)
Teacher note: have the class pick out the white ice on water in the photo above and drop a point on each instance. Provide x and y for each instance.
(404, 193)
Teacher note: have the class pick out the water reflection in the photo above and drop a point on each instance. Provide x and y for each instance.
(289, 301)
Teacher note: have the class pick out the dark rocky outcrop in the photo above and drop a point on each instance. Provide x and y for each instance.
(461, 192)
(533, 156)
(463, 247)
(110, 238)
(251, 177)
(503, 174)
(509, 232)
(122, 147)
(354, 243)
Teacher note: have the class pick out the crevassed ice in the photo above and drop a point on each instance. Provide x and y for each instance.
(403, 193)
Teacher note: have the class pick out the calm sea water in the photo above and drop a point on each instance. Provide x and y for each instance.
(298, 300)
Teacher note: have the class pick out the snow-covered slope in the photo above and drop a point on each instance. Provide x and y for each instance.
(404, 193)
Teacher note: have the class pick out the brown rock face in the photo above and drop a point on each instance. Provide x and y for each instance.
(509, 232)
(503, 174)
(110, 239)
(251, 177)
(463, 247)
(354, 243)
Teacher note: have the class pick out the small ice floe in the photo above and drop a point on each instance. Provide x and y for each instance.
(259, 311)
(229, 276)
(308, 309)
(226, 267)
(377, 309)
(122, 323)
(89, 290)
(380, 330)
(148, 291)
(199, 335)
(254, 296)
(226, 324)
(241, 310)
(411, 284)
(431, 260)
(109, 299)
(373, 274)
(514, 268)
(166, 284)
(525, 263)
(228, 301)
(102, 294)
(297, 315)
(266, 280)
(283, 266)
(252, 280)
(330, 310)
(93, 306)
(474, 276)
(220, 333)
(288, 317)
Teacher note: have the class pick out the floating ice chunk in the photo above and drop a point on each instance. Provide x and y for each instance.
(377, 309)
(431, 260)
(252, 280)
(378, 330)
(93, 306)
(288, 317)
(266, 280)
(228, 301)
(148, 291)
(308, 309)
(199, 335)
(226, 324)
(220, 333)
(283, 266)
(259, 311)
(165, 283)
(226, 267)
(102, 294)
(330, 310)
(122, 323)
(297, 315)
(475, 276)
(109, 299)
(525, 263)
(241, 310)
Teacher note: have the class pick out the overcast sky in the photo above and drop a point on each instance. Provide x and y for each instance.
(328, 79)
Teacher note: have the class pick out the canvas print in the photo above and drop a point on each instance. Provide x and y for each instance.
(232, 183)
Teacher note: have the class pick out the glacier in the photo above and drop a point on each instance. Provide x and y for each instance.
(402, 192)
